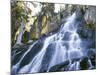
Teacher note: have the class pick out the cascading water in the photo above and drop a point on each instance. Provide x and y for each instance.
(73, 41)
(15, 67)
(37, 60)
(20, 33)
(66, 46)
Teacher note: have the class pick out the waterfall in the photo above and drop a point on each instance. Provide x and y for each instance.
(74, 51)
(15, 67)
(19, 38)
(36, 61)
(67, 46)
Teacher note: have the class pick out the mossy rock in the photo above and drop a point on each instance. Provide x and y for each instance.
(90, 26)
(25, 37)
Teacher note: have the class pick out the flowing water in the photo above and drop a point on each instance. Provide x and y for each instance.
(57, 48)
(19, 38)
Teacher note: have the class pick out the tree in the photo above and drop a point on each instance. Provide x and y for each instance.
(19, 16)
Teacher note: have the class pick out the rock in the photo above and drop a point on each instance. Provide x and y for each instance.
(92, 56)
(84, 64)
(66, 36)
(30, 41)
(59, 67)
(17, 53)
(90, 15)
(25, 37)
(47, 58)
(30, 55)
(91, 53)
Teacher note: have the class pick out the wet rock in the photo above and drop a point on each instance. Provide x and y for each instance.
(30, 55)
(47, 57)
(92, 56)
(59, 67)
(85, 33)
(84, 64)
(66, 36)
(17, 53)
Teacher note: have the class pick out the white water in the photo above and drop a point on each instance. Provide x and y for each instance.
(19, 38)
(90, 64)
(36, 62)
(60, 53)
(15, 67)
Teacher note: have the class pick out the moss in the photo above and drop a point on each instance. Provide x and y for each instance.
(87, 31)
(34, 38)
(90, 26)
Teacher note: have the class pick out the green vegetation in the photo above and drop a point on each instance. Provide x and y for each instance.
(41, 18)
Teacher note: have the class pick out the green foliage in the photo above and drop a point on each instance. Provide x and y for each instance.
(24, 37)
(19, 11)
(34, 38)
(46, 20)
